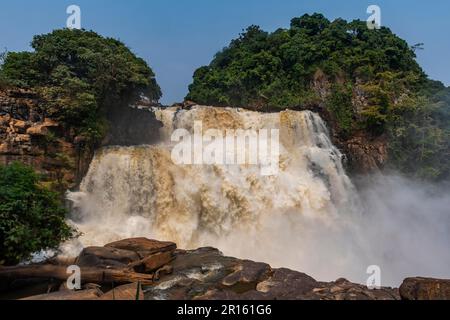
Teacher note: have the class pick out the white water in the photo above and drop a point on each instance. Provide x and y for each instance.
(307, 218)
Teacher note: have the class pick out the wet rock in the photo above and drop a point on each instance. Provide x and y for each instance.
(425, 289)
(131, 291)
(164, 271)
(143, 246)
(106, 257)
(288, 285)
(246, 276)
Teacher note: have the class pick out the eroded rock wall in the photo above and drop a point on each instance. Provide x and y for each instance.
(28, 136)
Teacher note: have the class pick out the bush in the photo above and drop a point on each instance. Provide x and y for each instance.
(32, 218)
(80, 75)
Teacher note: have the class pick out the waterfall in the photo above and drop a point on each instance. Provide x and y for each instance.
(139, 191)
(308, 217)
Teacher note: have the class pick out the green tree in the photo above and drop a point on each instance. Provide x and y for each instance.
(32, 218)
(80, 75)
(280, 70)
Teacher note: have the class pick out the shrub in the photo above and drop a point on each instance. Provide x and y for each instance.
(80, 75)
(32, 218)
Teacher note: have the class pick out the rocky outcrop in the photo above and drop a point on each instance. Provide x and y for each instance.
(28, 136)
(365, 153)
(201, 274)
(425, 289)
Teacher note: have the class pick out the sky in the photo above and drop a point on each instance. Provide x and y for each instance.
(177, 36)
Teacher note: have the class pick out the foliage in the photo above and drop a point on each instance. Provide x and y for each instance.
(32, 218)
(419, 133)
(280, 70)
(79, 75)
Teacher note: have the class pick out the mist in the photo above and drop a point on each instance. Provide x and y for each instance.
(402, 226)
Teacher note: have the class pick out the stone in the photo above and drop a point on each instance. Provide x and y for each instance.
(164, 271)
(68, 295)
(20, 126)
(4, 148)
(37, 130)
(156, 261)
(246, 276)
(132, 291)
(143, 246)
(289, 285)
(425, 289)
(106, 257)
(22, 138)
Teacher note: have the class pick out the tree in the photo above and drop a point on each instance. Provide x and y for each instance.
(32, 218)
(80, 75)
(279, 70)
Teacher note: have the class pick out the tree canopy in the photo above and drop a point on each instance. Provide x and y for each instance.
(79, 74)
(366, 79)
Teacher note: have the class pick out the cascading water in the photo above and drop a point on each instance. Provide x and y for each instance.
(307, 217)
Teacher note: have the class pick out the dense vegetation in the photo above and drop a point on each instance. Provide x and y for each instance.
(79, 75)
(32, 218)
(367, 79)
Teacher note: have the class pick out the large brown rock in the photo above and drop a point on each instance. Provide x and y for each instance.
(143, 246)
(156, 261)
(286, 284)
(106, 257)
(425, 289)
(132, 291)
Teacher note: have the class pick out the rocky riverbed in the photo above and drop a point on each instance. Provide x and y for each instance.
(143, 269)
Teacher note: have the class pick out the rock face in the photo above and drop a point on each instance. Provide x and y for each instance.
(132, 126)
(425, 289)
(365, 153)
(28, 136)
(206, 274)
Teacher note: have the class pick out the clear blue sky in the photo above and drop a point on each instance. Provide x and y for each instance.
(177, 36)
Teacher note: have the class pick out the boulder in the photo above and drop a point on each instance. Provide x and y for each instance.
(106, 257)
(156, 261)
(132, 291)
(425, 289)
(143, 246)
(287, 284)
